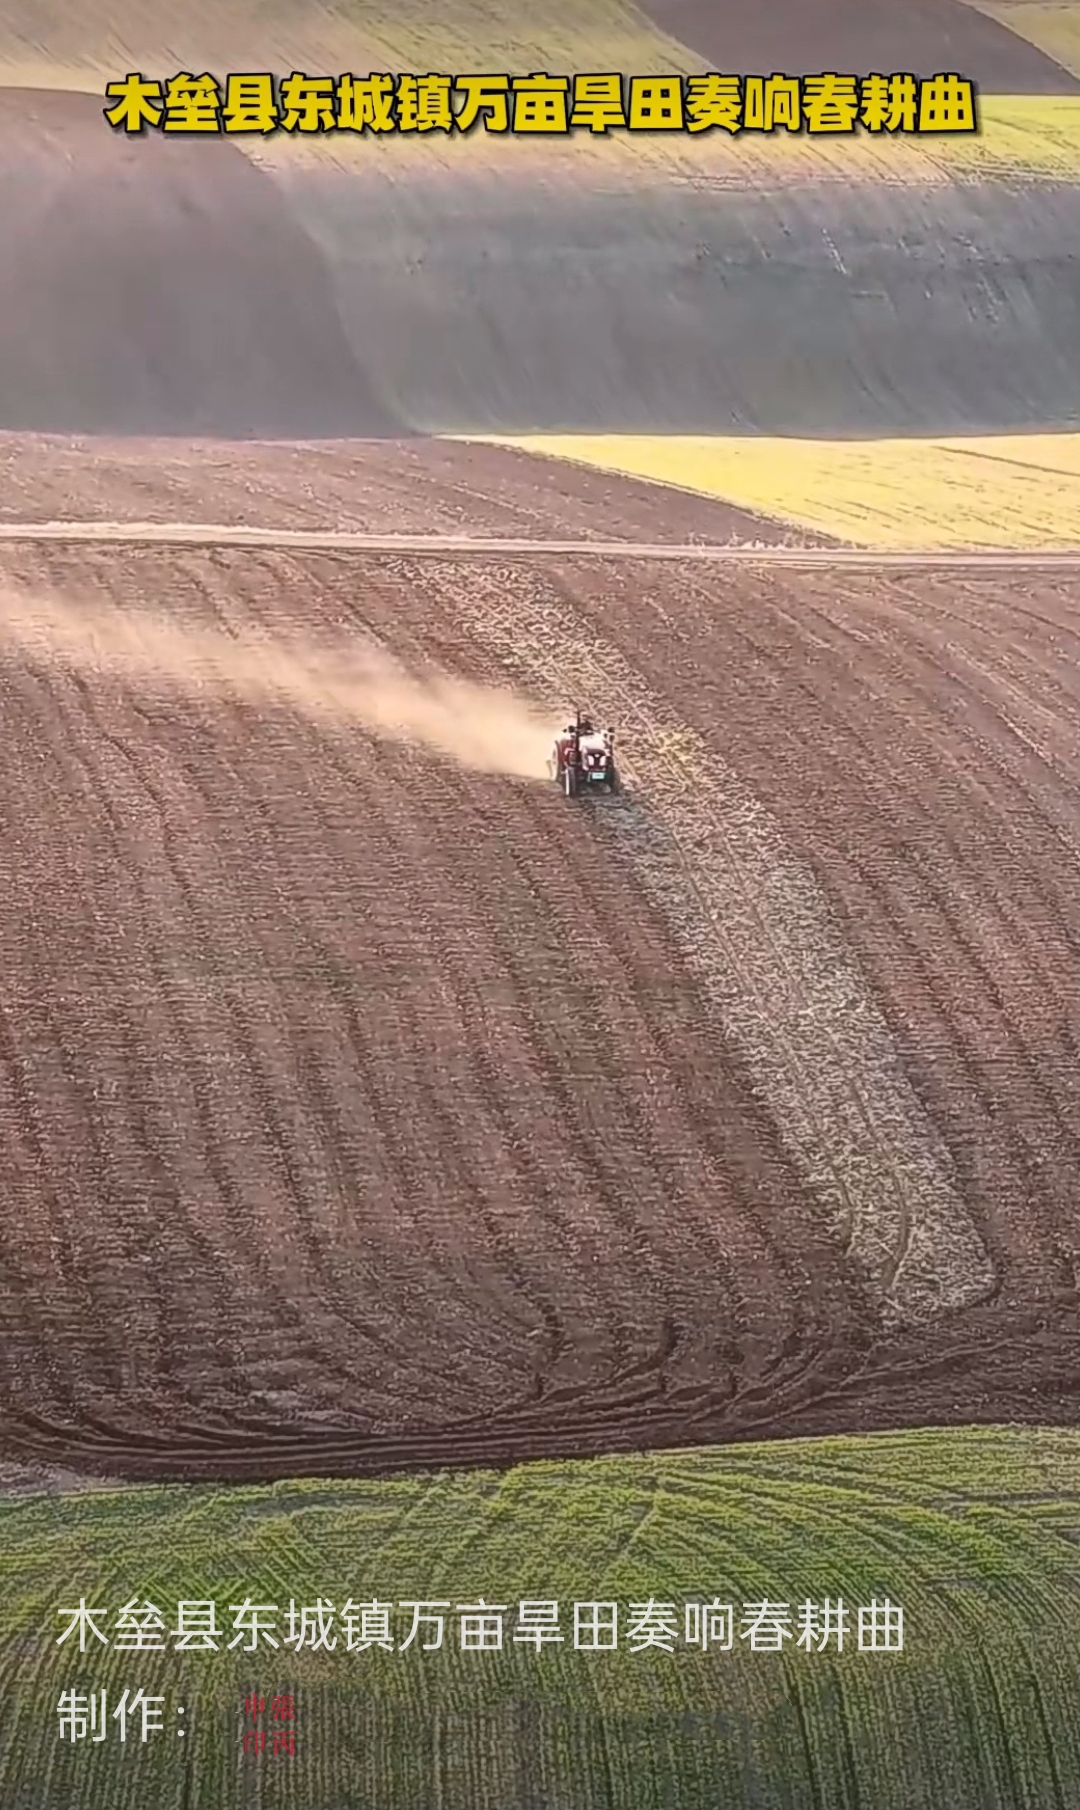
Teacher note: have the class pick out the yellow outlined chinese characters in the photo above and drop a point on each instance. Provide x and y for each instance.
(592, 104)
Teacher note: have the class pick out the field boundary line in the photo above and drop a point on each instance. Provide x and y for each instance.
(442, 546)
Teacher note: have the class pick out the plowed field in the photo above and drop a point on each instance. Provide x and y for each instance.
(364, 1103)
(376, 487)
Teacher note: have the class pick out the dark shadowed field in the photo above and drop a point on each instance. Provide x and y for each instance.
(176, 286)
(923, 36)
(805, 307)
(159, 285)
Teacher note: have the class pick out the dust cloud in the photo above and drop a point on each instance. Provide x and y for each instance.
(484, 728)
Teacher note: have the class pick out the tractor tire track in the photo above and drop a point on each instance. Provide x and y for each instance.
(425, 1119)
(335, 918)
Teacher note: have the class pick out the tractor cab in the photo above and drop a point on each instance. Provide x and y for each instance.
(583, 758)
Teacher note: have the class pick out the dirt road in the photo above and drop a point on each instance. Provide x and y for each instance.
(467, 546)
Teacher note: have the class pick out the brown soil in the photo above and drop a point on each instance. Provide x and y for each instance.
(362, 1108)
(860, 37)
(377, 487)
(160, 285)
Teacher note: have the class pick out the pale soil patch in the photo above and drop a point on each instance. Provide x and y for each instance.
(759, 935)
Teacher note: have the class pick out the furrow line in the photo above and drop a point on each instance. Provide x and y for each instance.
(757, 932)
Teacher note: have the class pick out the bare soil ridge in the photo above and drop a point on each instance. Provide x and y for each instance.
(425, 497)
(207, 536)
(406, 486)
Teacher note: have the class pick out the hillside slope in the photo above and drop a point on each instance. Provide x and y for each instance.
(160, 287)
(695, 285)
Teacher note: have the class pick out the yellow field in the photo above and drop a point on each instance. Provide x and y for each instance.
(1033, 135)
(994, 490)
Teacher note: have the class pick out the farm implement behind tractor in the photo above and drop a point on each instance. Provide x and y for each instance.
(583, 758)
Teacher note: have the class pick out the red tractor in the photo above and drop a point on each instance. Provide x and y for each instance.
(582, 758)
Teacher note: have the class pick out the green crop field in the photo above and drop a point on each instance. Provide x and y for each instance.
(974, 1534)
